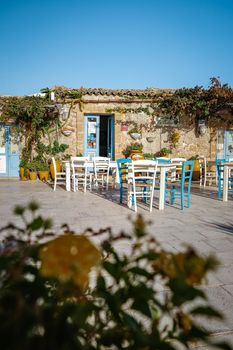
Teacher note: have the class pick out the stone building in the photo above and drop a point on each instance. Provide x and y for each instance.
(101, 123)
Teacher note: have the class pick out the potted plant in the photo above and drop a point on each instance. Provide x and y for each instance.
(164, 152)
(33, 167)
(149, 155)
(23, 169)
(135, 133)
(134, 151)
(43, 170)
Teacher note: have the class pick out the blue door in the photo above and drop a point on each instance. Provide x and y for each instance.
(91, 135)
(9, 151)
(228, 144)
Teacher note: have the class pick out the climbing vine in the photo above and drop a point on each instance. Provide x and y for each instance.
(35, 115)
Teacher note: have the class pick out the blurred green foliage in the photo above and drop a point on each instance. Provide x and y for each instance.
(137, 300)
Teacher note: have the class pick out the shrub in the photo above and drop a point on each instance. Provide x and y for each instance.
(47, 302)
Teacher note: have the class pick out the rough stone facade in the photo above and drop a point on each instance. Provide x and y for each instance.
(190, 143)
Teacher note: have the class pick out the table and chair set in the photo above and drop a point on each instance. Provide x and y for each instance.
(139, 179)
(136, 180)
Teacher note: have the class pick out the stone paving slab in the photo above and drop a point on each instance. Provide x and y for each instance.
(207, 225)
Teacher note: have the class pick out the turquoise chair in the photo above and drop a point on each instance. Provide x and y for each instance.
(184, 185)
(123, 175)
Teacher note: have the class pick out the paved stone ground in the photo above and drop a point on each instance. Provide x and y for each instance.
(207, 226)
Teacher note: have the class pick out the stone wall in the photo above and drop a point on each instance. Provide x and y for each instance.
(190, 142)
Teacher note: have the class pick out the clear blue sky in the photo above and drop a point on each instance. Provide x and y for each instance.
(114, 43)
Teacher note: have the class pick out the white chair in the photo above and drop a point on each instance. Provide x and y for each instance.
(208, 173)
(80, 173)
(101, 171)
(143, 181)
(59, 177)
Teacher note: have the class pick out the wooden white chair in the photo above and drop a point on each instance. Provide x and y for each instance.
(101, 171)
(80, 173)
(143, 181)
(59, 177)
(208, 173)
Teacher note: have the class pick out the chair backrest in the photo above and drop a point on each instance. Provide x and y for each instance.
(78, 164)
(101, 164)
(54, 167)
(122, 167)
(220, 160)
(187, 173)
(163, 160)
(144, 170)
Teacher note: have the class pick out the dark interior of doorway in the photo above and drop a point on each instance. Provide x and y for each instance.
(103, 136)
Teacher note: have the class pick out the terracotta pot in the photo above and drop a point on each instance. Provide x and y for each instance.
(22, 175)
(196, 170)
(44, 175)
(58, 167)
(33, 175)
(136, 155)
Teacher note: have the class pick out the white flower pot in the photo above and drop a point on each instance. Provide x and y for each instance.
(135, 135)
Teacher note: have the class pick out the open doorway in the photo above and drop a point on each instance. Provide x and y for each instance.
(99, 135)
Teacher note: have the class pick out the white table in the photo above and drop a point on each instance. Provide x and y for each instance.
(227, 167)
(88, 164)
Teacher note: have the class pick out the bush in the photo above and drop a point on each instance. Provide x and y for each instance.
(47, 302)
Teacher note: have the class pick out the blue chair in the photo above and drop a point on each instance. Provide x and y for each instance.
(123, 175)
(184, 185)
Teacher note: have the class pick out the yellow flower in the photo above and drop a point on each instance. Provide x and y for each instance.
(69, 258)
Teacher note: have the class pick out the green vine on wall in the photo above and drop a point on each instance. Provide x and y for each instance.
(35, 115)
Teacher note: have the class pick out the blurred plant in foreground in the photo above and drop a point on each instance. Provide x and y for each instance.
(146, 299)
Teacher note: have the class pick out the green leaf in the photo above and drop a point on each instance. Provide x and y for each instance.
(19, 210)
(36, 224)
(33, 206)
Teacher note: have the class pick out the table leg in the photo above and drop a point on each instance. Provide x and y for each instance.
(67, 176)
(225, 183)
(162, 188)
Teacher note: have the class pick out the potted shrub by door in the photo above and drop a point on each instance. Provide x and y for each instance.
(43, 170)
(23, 170)
(33, 167)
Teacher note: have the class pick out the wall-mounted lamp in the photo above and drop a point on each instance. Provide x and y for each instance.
(201, 126)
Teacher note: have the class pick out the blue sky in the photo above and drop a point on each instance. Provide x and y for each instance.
(114, 43)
